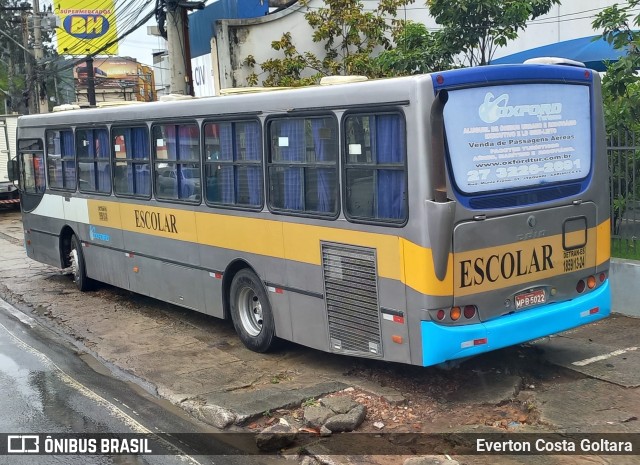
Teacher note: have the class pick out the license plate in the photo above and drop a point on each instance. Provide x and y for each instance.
(528, 299)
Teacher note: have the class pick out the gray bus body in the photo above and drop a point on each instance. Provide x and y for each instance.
(339, 282)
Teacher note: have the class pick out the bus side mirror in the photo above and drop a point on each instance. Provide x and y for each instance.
(12, 169)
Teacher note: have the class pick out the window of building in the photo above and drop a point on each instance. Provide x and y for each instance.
(233, 163)
(61, 159)
(32, 179)
(303, 165)
(131, 167)
(94, 167)
(176, 150)
(375, 167)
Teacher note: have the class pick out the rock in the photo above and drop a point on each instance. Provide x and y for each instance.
(316, 415)
(211, 414)
(430, 460)
(347, 421)
(275, 437)
(325, 432)
(340, 404)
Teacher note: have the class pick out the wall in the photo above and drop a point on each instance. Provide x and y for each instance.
(237, 39)
(625, 276)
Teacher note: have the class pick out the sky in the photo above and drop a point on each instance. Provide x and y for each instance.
(139, 45)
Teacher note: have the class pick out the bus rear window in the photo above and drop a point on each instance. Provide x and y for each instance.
(518, 136)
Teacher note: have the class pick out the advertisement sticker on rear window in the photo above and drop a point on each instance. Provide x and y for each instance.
(517, 136)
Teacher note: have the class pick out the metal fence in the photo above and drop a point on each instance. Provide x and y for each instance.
(623, 150)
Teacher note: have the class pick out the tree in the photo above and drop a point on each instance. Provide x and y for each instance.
(12, 73)
(417, 51)
(478, 27)
(350, 35)
(621, 85)
(621, 99)
(13, 70)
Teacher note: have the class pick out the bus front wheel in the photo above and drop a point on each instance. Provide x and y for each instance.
(78, 270)
(251, 311)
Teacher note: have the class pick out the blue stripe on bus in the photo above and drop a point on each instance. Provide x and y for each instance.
(442, 343)
(487, 75)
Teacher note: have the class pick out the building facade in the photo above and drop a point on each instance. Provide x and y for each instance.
(235, 39)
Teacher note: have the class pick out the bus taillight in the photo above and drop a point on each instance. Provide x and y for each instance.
(455, 313)
(469, 311)
(591, 282)
(602, 277)
(580, 287)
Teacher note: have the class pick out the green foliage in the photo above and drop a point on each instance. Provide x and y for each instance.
(310, 402)
(13, 70)
(350, 35)
(620, 85)
(417, 51)
(478, 27)
(621, 98)
(625, 248)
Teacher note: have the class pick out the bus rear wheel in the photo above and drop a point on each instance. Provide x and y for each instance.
(78, 270)
(251, 312)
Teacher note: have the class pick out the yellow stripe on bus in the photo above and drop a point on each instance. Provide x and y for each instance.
(603, 249)
(397, 258)
(518, 263)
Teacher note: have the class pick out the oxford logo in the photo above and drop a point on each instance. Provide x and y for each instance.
(494, 108)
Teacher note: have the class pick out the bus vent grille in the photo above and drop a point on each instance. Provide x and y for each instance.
(351, 295)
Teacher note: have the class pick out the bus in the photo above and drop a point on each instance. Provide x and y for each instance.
(420, 220)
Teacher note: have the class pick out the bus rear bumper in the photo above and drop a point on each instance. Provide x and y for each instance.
(442, 343)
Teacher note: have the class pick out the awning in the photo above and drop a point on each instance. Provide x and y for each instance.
(593, 51)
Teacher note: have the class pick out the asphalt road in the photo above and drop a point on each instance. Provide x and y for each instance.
(48, 386)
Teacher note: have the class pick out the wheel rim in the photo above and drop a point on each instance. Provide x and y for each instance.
(250, 310)
(74, 264)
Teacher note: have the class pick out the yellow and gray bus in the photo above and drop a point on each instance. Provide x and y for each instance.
(419, 220)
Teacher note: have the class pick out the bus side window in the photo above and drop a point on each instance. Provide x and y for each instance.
(61, 159)
(233, 163)
(32, 180)
(130, 147)
(303, 162)
(375, 167)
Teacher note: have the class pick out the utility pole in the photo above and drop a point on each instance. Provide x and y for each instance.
(32, 98)
(91, 81)
(38, 54)
(176, 48)
(178, 44)
(15, 105)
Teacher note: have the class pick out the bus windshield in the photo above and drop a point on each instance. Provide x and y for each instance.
(518, 136)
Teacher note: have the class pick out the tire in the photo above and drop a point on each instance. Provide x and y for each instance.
(251, 312)
(78, 269)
